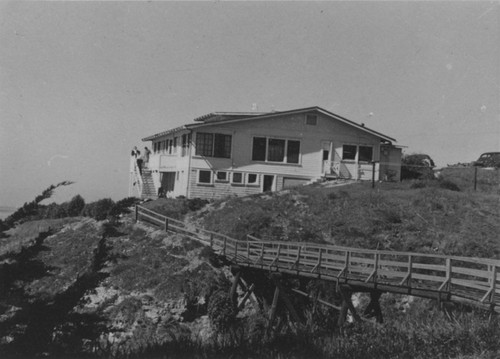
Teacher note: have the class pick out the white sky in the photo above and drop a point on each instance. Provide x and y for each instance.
(82, 82)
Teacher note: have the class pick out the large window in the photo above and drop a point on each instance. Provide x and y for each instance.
(349, 152)
(365, 154)
(275, 150)
(213, 145)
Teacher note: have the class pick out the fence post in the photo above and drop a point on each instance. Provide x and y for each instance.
(373, 174)
(475, 178)
(166, 224)
(136, 213)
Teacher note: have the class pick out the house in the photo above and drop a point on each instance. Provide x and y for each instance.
(242, 153)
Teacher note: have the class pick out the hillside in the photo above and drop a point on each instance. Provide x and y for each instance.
(78, 287)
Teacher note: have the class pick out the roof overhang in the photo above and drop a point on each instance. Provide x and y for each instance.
(216, 118)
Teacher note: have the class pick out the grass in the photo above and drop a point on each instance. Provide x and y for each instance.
(394, 216)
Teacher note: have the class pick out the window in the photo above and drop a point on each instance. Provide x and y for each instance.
(204, 144)
(275, 150)
(186, 139)
(222, 176)
(259, 149)
(311, 120)
(213, 145)
(349, 152)
(237, 177)
(365, 154)
(175, 144)
(252, 178)
(205, 177)
(292, 152)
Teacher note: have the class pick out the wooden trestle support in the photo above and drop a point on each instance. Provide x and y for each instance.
(345, 292)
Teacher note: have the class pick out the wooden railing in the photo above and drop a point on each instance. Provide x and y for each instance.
(468, 280)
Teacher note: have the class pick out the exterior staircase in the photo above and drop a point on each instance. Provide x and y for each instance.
(148, 187)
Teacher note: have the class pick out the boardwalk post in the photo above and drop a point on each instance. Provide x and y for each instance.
(224, 248)
(347, 304)
(272, 314)
(211, 240)
(287, 301)
(166, 224)
(235, 250)
(136, 213)
(232, 292)
(373, 309)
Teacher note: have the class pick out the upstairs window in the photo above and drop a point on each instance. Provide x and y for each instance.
(275, 150)
(311, 120)
(213, 145)
(186, 139)
(259, 149)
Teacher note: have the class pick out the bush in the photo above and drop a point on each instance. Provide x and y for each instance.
(100, 209)
(220, 311)
(417, 166)
(447, 184)
(75, 206)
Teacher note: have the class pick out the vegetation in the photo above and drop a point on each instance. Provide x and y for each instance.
(102, 286)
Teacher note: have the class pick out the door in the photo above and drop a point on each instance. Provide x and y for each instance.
(167, 183)
(267, 183)
(326, 152)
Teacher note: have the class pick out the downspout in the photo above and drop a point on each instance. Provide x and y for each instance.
(189, 165)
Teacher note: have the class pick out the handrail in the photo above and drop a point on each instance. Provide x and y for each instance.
(470, 279)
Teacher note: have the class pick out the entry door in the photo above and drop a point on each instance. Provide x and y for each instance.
(326, 152)
(267, 183)
(168, 181)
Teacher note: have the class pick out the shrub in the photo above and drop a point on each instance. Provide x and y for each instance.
(220, 311)
(418, 184)
(100, 209)
(75, 206)
(417, 166)
(447, 184)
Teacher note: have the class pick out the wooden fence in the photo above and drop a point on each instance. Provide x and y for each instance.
(467, 280)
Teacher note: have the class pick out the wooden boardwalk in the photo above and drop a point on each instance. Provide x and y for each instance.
(467, 280)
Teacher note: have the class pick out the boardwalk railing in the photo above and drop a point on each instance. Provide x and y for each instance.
(468, 280)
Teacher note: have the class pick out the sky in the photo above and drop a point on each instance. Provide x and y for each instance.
(81, 83)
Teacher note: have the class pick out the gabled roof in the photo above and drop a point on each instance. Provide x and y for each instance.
(231, 117)
(224, 116)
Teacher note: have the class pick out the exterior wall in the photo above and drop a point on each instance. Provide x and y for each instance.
(294, 128)
(311, 165)
(390, 163)
(164, 160)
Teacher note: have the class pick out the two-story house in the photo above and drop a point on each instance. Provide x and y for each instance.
(231, 153)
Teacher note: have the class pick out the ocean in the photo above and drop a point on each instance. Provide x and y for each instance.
(6, 211)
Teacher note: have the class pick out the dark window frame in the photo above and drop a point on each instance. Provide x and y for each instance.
(276, 150)
(348, 150)
(217, 145)
(311, 120)
(363, 156)
(202, 179)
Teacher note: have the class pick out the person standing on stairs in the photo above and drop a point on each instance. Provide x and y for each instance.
(138, 158)
(147, 152)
